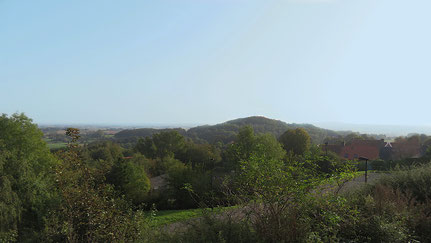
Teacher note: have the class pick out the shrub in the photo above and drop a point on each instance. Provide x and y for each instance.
(416, 181)
(379, 165)
(188, 187)
(381, 216)
(211, 228)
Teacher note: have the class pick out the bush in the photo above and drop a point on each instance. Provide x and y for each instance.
(416, 181)
(415, 186)
(395, 209)
(215, 229)
(379, 165)
(188, 187)
(381, 216)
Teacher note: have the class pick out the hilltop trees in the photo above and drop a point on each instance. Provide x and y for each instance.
(296, 141)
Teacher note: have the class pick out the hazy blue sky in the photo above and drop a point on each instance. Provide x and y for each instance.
(207, 61)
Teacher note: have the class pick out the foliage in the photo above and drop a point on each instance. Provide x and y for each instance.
(150, 165)
(188, 187)
(131, 179)
(413, 186)
(205, 155)
(161, 145)
(107, 151)
(167, 164)
(273, 190)
(327, 163)
(416, 181)
(296, 141)
(215, 229)
(247, 144)
(379, 164)
(89, 210)
(25, 179)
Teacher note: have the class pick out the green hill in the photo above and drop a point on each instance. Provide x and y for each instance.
(226, 132)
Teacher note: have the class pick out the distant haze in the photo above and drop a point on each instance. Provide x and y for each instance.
(128, 126)
(389, 130)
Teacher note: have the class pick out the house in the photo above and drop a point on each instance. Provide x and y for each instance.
(409, 148)
(357, 148)
(376, 149)
(363, 148)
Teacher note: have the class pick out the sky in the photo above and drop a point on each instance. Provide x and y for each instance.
(208, 61)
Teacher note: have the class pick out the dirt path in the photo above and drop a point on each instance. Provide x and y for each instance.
(359, 181)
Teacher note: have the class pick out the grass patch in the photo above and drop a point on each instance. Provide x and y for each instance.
(164, 217)
(57, 145)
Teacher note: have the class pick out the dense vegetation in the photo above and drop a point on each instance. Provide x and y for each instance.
(271, 180)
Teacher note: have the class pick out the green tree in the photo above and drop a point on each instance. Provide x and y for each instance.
(106, 150)
(205, 155)
(136, 184)
(267, 146)
(188, 187)
(10, 206)
(89, 210)
(247, 144)
(296, 141)
(25, 180)
(132, 180)
(161, 145)
(146, 147)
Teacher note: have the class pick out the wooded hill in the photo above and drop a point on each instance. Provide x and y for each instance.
(226, 132)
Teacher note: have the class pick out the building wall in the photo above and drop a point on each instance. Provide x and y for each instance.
(358, 148)
(361, 150)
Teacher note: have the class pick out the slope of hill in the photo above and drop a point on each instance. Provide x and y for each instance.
(226, 132)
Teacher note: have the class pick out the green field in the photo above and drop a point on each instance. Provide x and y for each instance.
(53, 144)
(56, 145)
